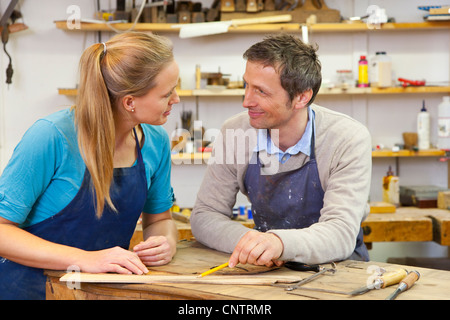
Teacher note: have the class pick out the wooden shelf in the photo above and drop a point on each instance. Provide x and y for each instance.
(15, 27)
(187, 157)
(408, 153)
(271, 27)
(323, 91)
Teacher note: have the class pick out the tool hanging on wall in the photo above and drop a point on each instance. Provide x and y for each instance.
(10, 14)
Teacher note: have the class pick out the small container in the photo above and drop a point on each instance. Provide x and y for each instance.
(363, 72)
(444, 124)
(249, 213)
(423, 128)
(345, 79)
(391, 188)
(380, 71)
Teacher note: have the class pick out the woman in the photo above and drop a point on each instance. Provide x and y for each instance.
(80, 178)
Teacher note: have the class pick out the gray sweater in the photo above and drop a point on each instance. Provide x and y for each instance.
(344, 159)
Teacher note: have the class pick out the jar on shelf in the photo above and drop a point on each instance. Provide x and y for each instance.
(344, 79)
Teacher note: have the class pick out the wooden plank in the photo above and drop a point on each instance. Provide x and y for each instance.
(260, 279)
(382, 207)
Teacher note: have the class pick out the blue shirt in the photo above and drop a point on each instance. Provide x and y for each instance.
(303, 145)
(46, 170)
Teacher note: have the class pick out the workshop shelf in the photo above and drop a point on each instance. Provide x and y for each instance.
(323, 91)
(269, 27)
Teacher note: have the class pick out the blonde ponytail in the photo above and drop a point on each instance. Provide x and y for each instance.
(127, 64)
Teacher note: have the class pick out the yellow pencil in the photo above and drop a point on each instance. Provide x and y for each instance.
(213, 270)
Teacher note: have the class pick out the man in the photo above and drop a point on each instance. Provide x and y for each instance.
(305, 169)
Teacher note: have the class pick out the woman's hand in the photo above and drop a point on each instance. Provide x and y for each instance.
(115, 259)
(160, 239)
(155, 251)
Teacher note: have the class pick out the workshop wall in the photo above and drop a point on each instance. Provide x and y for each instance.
(46, 58)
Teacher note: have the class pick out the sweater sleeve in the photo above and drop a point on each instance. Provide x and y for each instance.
(211, 221)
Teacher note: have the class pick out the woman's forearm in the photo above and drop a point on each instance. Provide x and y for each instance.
(25, 248)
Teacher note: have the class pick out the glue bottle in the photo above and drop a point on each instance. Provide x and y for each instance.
(363, 72)
(391, 188)
(444, 124)
(423, 128)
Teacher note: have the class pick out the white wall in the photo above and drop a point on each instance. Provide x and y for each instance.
(46, 58)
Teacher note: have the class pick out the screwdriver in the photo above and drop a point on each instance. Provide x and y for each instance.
(386, 280)
(405, 284)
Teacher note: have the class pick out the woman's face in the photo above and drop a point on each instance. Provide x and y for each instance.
(154, 107)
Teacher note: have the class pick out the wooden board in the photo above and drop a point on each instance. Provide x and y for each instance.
(382, 207)
(151, 278)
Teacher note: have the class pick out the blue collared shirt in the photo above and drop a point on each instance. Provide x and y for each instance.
(303, 145)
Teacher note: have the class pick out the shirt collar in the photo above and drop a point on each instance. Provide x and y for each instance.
(303, 145)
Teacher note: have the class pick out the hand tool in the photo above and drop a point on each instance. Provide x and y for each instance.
(383, 281)
(405, 284)
(298, 266)
(311, 278)
(213, 270)
(407, 82)
(216, 27)
(5, 36)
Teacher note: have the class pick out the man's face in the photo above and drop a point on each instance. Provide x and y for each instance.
(268, 104)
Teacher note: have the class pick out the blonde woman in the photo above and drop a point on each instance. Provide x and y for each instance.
(80, 178)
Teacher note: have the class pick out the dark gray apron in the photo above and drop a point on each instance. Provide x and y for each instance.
(290, 200)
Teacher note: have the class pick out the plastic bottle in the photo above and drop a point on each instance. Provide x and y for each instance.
(380, 71)
(363, 72)
(444, 124)
(391, 188)
(423, 128)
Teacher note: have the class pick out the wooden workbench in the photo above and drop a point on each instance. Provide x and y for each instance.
(408, 224)
(192, 259)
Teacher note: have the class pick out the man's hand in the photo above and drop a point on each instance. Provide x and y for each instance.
(257, 248)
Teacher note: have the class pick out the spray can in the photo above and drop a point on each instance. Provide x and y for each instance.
(391, 188)
(363, 72)
(444, 124)
(423, 128)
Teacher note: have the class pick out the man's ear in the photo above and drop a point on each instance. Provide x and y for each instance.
(301, 100)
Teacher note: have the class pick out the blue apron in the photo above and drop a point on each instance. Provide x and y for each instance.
(78, 226)
(290, 200)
